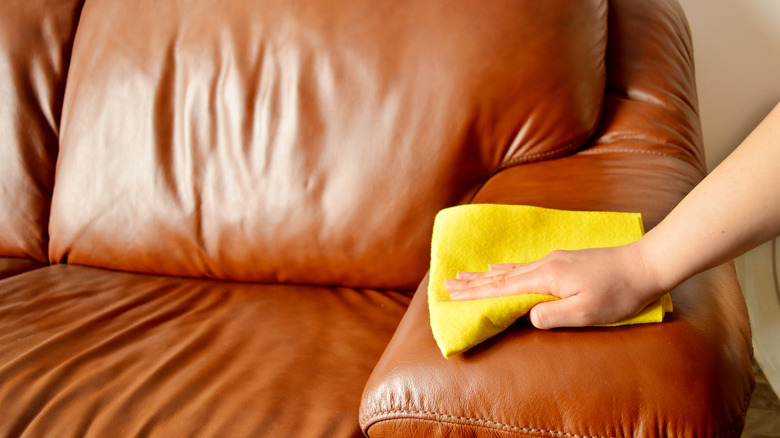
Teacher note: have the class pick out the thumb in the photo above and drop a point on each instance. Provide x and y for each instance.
(558, 313)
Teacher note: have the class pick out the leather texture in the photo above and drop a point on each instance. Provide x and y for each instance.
(689, 376)
(92, 353)
(270, 170)
(650, 106)
(36, 37)
(290, 142)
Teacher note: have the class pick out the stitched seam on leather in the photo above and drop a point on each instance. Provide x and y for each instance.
(524, 158)
(728, 433)
(635, 151)
(578, 143)
(489, 423)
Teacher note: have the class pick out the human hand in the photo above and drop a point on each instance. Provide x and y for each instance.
(596, 286)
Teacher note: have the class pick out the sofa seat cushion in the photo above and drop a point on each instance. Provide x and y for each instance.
(87, 352)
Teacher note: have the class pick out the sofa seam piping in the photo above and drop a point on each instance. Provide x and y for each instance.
(532, 157)
(572, 147)
(624, 150)
(494, 424)
(439, 416)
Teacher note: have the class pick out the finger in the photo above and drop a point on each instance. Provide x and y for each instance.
(461, 284)
(500, 285)
(475, 275)
(463, 275)
(515, 268)
(503, 266)
(559, 313)
(452, 285)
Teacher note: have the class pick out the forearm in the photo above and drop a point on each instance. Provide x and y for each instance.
(733, 209)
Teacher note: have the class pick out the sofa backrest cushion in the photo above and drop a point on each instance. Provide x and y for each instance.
(311, 141)
(36, 37)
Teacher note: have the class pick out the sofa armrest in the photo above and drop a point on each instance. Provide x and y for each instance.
(689, 376)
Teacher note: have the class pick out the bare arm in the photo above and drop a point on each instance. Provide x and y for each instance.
(732, 210)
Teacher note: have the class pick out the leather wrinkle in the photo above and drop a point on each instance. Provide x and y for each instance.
(634, 70)
(555, 153)
(300, 87)
(35, 62)
(131, 352)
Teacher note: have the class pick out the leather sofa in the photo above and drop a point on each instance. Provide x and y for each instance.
(216, 217)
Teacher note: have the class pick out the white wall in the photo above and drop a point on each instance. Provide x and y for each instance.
(737, 53)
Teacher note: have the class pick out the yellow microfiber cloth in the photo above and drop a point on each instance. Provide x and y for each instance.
(469, 237)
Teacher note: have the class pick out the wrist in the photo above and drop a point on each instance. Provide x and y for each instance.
(663, 273)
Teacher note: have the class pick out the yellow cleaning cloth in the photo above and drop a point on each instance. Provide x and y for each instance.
(469, 237)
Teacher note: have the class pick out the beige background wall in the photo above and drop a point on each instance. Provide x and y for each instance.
(737, 52)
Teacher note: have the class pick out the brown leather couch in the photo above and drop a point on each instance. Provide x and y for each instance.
(215, 216)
